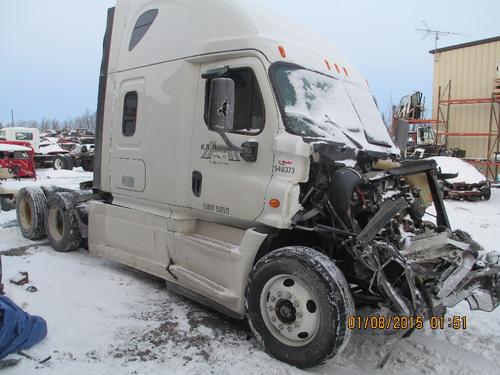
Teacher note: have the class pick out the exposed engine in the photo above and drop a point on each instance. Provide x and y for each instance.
(371, 219)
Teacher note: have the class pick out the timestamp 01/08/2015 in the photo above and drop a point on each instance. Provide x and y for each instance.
(406, 322)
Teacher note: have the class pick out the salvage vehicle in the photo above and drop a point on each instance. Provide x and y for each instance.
(247, 164)
(81, 156)
(45, 151)
(462, 180)
(16, 161)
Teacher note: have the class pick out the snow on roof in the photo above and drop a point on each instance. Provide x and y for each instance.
(20, 128)
(467, 173)
(5, 147)
(48, 147)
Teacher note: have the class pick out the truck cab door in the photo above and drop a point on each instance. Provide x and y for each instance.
(222, 182)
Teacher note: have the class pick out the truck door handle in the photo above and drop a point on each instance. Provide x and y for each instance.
(196, 181)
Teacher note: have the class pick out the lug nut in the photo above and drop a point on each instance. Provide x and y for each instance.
(299, 315)
(280, 327)
(273, 318)
(288, 296)
(296, 304)
(280, 294)
(273, 298)
(296, 325)
(289, 329)
(270, 308)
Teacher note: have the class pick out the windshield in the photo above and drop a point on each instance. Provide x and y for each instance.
(317, 105)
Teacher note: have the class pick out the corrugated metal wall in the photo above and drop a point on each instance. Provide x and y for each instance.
(472, 71)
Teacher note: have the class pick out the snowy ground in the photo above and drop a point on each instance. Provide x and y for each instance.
(104, 318)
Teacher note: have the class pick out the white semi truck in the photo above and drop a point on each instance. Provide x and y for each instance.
(244, 161)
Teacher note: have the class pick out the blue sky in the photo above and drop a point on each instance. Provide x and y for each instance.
(51, 49)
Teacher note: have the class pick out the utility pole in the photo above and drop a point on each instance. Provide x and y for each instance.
(427, 31)
(12, 115)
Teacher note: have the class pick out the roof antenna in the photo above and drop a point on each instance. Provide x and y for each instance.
(427, 31)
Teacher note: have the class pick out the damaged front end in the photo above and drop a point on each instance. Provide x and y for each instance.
(371, 220)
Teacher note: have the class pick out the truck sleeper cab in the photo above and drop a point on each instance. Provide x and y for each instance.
(246, 164)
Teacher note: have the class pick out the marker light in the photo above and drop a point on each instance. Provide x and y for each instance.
(337, 68)
(328, 64)
(274, 203)
(282, 51)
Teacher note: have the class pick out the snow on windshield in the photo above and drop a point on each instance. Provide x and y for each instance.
(322, 106)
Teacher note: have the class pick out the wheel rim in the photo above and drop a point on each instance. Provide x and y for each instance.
(58, 163)
(56, 223)
(290, 310)
(26, 215)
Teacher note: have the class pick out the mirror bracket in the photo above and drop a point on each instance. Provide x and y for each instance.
(248, 150)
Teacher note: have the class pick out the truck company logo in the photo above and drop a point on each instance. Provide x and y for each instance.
(218, 154)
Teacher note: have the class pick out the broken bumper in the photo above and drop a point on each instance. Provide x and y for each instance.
(452, 267)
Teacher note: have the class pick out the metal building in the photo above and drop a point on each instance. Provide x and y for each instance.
(466, 97)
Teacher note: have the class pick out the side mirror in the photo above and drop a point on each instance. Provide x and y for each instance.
(221, 105)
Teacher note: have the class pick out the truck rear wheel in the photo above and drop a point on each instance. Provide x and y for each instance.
(68, 162)
(298, 303)
(59, 162)
(61, 224)
(31, 204)
(88, 165)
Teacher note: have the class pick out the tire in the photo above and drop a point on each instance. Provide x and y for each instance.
(7, 204)
(68, 162)
(88, 165)
(486, 193)
(61, 224)
(31, 206)
(59, 162)
(298, 303)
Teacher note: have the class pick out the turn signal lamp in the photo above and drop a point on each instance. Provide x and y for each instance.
(274, 203)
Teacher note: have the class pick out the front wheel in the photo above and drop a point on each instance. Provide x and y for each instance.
(298, 303)
(486, 193)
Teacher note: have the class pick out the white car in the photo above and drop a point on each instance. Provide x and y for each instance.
(461, 180)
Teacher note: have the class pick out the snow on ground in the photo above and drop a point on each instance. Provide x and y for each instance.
(105, 318)
(62, 178)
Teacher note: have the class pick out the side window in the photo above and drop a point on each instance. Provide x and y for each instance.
(24, 136)
(141, 27)
(248, 107)
(129, 114)
(19, 155)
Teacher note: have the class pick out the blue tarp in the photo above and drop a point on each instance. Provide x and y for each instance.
(18, 329)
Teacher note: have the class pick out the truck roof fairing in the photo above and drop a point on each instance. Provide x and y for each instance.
(184, 29)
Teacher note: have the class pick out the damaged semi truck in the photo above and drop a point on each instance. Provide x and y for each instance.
(246, 163)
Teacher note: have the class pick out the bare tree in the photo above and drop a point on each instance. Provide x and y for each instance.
(54, 124)
(87, 120)
(389, 114)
